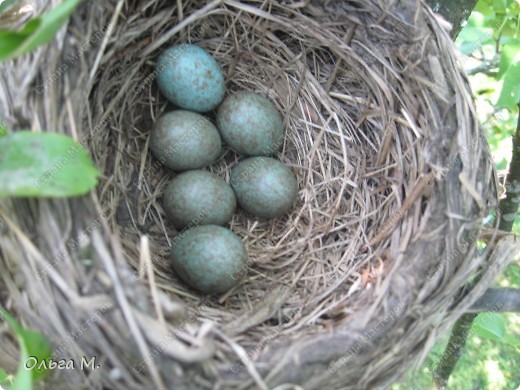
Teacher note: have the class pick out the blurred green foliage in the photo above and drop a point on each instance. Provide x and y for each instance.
(491, 36)
(32, 344)
(38, 31)
(491, 46)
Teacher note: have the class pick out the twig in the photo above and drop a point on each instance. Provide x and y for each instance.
(485, 67)
(489, 235)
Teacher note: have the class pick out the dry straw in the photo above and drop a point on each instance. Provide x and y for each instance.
(347, 290)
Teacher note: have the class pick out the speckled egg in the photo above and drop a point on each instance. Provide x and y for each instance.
(199, 198)
(264, 186)
(209, 258)
(190, 78)
(184, 140)
(250, 124)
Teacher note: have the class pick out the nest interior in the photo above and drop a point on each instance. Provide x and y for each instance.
(393, 183)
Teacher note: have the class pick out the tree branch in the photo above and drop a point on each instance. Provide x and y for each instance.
(508, 206)
(487, 67)
(453, 350)
(499, 300)
(455, 12)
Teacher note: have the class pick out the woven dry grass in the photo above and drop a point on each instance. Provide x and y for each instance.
(347, 291)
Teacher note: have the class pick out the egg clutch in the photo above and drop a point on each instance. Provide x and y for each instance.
(206, 255)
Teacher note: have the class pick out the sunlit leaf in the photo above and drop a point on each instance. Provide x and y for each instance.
(484, 8)
(44, 164)
(476, 19)
(509, 52)
(475, 34)
(489, 326)
(513, 8)
(471, 39)
(510, 93)
(499, 6)
(510, 28)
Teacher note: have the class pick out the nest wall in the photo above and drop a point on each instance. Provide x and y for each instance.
(347, 290)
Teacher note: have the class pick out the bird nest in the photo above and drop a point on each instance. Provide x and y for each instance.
(347, 290)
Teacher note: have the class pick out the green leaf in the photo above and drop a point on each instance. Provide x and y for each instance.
(512, 340)
(509, 51)
(38, 31)
(471, 39)
(23, 379)
(510, 28)
(489, 326)
(10, 41)
(32, 344)
(44, 164)
(510, 93)
(475, 34)
(37, 346)
(499, 6)
(3, 130)
(476, 19)
(3, 375)
(514, 9)
(484, 8)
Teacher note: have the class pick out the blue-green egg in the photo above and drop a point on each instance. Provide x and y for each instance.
(250, 124)
(209, 258)
(190, 78)
(184, 140)
(264, 186)
(199, 198)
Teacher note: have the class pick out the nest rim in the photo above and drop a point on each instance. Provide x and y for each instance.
(255, 56)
